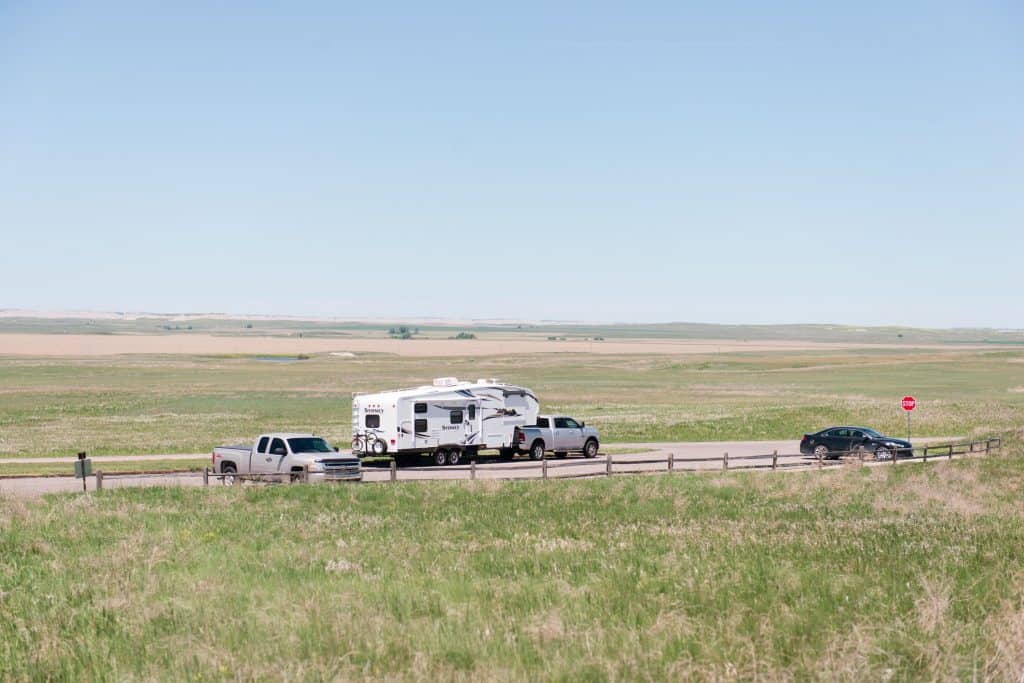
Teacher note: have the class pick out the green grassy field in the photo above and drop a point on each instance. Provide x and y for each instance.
(183, 404)
(894, 573)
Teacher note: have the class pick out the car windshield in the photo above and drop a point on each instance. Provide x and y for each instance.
(309, 445)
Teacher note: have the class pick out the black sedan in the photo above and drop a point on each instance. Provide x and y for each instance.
(835, 441)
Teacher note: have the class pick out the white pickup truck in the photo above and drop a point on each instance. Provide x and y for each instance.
(287, 454)
(558, 434)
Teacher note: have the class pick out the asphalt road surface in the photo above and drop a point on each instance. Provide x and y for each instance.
(689, 456)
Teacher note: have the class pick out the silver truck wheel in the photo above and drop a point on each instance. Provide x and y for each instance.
(440, 456)
(537, 450)
(379, 447)
(453, 456)
(590, 449)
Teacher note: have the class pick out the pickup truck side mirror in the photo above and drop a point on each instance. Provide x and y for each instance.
(582, 425)
(279, 451)
(335, 449)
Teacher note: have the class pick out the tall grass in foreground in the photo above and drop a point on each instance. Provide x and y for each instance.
(905, 572)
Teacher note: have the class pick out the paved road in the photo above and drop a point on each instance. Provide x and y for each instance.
(702, 455)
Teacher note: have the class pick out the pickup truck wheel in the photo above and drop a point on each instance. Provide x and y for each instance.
(537, 450)
(379, 447)
(228, 469)
(453, 456)
(440, 457)
(560, 454)
(590, 449)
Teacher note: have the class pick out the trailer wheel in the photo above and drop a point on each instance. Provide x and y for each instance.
(590, 449)
(440, 457)
(453, 456)
(379, 447)
(537, 450)
(228, 468)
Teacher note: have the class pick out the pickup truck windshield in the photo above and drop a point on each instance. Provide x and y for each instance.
(309, 445)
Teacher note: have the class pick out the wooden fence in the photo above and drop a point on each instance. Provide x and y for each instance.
(608, 466)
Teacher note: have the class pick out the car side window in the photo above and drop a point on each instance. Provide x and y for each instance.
(842, 432)
(857, 434)
(262, 446)
(571, 423)
(277, 447)
(542, 422)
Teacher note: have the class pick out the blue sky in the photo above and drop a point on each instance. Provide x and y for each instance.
(735, 162)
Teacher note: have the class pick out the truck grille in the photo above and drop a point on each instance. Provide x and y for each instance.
(342, 469)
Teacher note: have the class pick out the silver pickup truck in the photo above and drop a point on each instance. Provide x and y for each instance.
(558, 434)
(297, 456)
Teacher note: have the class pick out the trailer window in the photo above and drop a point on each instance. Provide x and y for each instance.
(472, 412)
(373, 421)
(262, 447)
(420, 426)
(419, 408)
(456, 417)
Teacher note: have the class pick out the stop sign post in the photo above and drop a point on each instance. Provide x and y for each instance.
(909, 403)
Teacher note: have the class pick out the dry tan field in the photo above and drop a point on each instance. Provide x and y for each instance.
(56, 345)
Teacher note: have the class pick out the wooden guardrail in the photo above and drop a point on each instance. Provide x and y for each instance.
(551, 469)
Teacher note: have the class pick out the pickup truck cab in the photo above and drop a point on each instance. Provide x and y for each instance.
(558, 434)
(285, 453)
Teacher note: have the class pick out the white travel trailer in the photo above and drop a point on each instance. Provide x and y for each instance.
(448, 419)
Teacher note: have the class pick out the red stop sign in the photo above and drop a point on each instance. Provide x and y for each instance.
(909, 403)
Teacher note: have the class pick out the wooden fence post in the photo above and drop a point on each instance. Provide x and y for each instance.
(608, 465)
(775, 460)
(206, 476)
(472, 469)
(926, 454)
(671, 461)
(987, 442)
(725, 461)
(394, 470)
(544, 468)
(820, 462)
(950, 453)
(99, 480)
(305, 474)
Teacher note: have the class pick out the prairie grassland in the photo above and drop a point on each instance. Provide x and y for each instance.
(186, 404)
(896, 573)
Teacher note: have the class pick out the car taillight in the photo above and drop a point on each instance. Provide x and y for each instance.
(522, 437)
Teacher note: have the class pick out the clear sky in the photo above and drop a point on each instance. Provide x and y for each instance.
(661, 161)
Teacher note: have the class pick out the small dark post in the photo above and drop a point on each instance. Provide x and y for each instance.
(725, 461)
(671, 461)
(81, 457)
(472, 469)
(99, 480)
(608, 465)
(775, 460)
(821, 463)
(394, 470)
(926, 454)
(544, 468)
(206, 476)
(950, 452)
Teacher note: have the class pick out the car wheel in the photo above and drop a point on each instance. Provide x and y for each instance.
(590, 449)
(228, 469)
(379, 447)
(453, 456)
(537, 450)
(821, 451)
(440, 457)
(882, 453)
